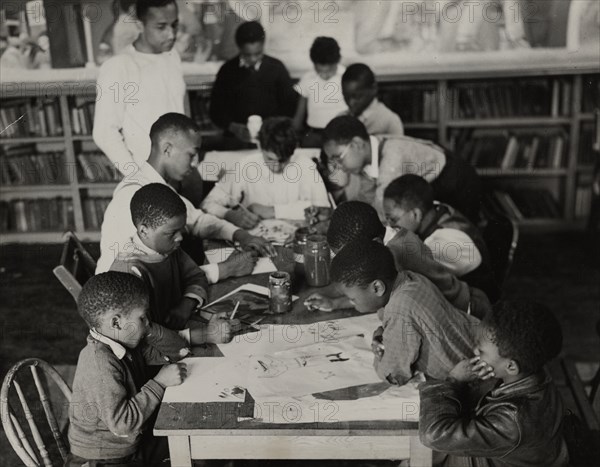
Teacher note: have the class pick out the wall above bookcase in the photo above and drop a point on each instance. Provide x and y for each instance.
(528, 129)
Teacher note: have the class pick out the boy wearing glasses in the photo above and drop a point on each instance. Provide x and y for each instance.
(361, 166)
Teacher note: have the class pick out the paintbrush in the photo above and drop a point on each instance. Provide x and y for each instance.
(235, 309)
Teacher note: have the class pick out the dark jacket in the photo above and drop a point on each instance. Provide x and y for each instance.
(516, 425)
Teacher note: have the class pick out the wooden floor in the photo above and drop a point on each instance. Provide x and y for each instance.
(39, 317)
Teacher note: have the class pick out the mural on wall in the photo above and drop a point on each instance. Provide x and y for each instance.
(363, 28)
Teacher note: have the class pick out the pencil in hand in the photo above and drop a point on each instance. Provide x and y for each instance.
(235, 309)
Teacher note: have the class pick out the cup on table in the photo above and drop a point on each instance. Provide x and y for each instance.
(254, 124)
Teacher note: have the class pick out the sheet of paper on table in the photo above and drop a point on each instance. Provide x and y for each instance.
(219, 255)
(286, 375)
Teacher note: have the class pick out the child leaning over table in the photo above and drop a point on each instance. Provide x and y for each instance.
(113, 399)
(355, 220)
(276, 182)
(420, 331)
(518, 422)
(177, 285)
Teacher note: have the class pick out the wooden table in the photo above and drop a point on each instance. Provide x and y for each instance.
(192, 438)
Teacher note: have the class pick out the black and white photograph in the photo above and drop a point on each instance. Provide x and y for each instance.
(299, 233)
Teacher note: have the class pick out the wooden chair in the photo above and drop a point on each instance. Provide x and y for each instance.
(76, 265)
(14, 432)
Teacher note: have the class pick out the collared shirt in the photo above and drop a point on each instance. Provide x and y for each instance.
(116, 348)
(290, 192)
(379, 120)
(422, 331)
(117, 227)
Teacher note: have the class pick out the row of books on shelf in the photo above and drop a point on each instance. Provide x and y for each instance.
(418, 104)
(82, 116)
(95, 167)
(30, 117)
(24, 165)
(93, 212)
(511, 98)
(527, 203)
(589, 136)
(37, 215)
(506, 150)
(200, 110)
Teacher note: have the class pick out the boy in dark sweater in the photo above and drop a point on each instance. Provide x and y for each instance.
(251, 83)
(518, 422)
(177, 286)
(113, 399)
(420, 330)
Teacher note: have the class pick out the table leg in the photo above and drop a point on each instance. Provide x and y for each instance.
(179, 451)
(420, 456)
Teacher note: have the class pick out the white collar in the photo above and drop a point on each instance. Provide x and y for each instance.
(244, 64)
(372, 169)
(116, 348)
(140, 246)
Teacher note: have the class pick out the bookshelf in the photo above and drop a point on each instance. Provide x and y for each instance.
(453, 106)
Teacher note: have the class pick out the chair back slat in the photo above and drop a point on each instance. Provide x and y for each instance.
(76, 265)
(14, 431)
(37, 437)
(30, 457)
(49, 413)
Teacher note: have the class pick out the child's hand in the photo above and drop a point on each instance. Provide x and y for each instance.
(471, 369)
(238, 264)
(180, 314)
(242, 218)
(221, 329)
(262, 211)
(171, 375)
(377, 343)
(318, 302)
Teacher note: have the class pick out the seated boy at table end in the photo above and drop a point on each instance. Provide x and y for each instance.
(271, 183)
(420, 330)
(113, 398)
(177, 285)
(518, 422)
(354, 220)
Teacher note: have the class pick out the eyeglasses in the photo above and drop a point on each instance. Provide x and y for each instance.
(340, 157)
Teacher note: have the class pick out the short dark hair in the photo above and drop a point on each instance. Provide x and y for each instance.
(527, 332)
(411, 191)
(174, 122)
(154, 204)
(249, 33)
(351, 221)
(142, 7)
(361, 262)
(110, 292)
(277, 135)
(342, 129)
(361, 73)
(325, 51)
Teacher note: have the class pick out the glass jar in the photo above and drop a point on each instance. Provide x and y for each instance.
(316, 261)
(280, 294)
(299, 246)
